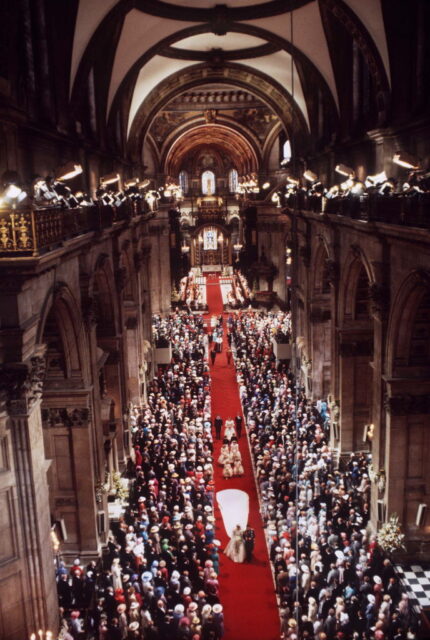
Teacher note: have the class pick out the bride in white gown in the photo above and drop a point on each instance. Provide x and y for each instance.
(236, 547)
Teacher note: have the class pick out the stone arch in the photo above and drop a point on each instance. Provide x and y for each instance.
(126, 271)
(355, 350)
(320, 268)
(61, 314)
(104, 297)
(242, 76)
(67, 419)
(355, 267)
(407, 324)
(320, 321)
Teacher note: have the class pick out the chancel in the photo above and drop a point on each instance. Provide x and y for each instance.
(214, 320)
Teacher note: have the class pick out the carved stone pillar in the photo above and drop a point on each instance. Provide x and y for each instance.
(68, 434)
(407, 470)
(160, 287)
(21, 390)
(133, 347)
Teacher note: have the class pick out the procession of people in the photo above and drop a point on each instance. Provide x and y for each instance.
(159, 577)
(332, 580)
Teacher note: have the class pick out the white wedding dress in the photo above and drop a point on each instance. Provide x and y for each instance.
(236, 547)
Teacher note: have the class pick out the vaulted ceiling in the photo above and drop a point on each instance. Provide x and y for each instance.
(283, 52)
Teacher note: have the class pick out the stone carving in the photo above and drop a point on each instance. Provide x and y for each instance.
(21, 384)
(67, 417)
(407, 404)
(210, 115)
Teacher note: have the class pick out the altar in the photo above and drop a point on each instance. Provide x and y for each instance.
(211, 268)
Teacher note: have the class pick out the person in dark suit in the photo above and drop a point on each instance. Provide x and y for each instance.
(238, 423)
(249, 540)
(218, 427)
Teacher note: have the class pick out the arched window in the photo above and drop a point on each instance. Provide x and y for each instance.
(208, 183)
(232, 181)
(286, 151)
(183, 181)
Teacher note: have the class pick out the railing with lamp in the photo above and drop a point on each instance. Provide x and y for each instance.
(31, 232)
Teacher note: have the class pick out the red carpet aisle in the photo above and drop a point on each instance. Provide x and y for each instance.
(247, 590)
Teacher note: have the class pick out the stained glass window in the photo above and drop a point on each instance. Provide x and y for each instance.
(208, 183)
(233, 181)
(183, 181)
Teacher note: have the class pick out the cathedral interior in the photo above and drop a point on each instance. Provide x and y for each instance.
(147, 146)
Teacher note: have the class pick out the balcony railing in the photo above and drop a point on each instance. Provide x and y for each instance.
(410, 211)
(32, 232)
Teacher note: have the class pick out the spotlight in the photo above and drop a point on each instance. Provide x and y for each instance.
(310, 176)
(378, 178)
(348, 184)
(110, 178)
(405, 160)
(345, 171)
(68, 171)
(12, 192)
(357, 188)
(131, 182)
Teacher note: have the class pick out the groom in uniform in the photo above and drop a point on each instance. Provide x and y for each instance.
(249, 540)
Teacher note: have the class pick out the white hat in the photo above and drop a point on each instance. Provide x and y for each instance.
(377, 579)
(371, 598)
(217, 608)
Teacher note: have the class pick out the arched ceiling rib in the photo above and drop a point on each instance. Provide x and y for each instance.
(240, 76)
(229, 42)
(235, 145)
(139, 33)
(276, 66)
(370, 14)
(151, 74)
(308, 36)
(90, 15)
(149, 32)
(206, 4)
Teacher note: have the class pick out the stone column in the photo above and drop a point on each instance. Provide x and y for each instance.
(406, 467)
(160, 263)
(21, 386)
(133, 358)
(346, 396)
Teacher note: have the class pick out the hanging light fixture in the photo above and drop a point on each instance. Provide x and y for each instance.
(110, 178)
(345, 171)
(68, 171)
(310, 176)
(406, 160)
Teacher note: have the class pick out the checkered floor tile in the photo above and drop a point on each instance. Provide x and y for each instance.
(416, 580)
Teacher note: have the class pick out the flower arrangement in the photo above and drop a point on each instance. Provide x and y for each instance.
(118, 486)
(102, 488)
(390, 537)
